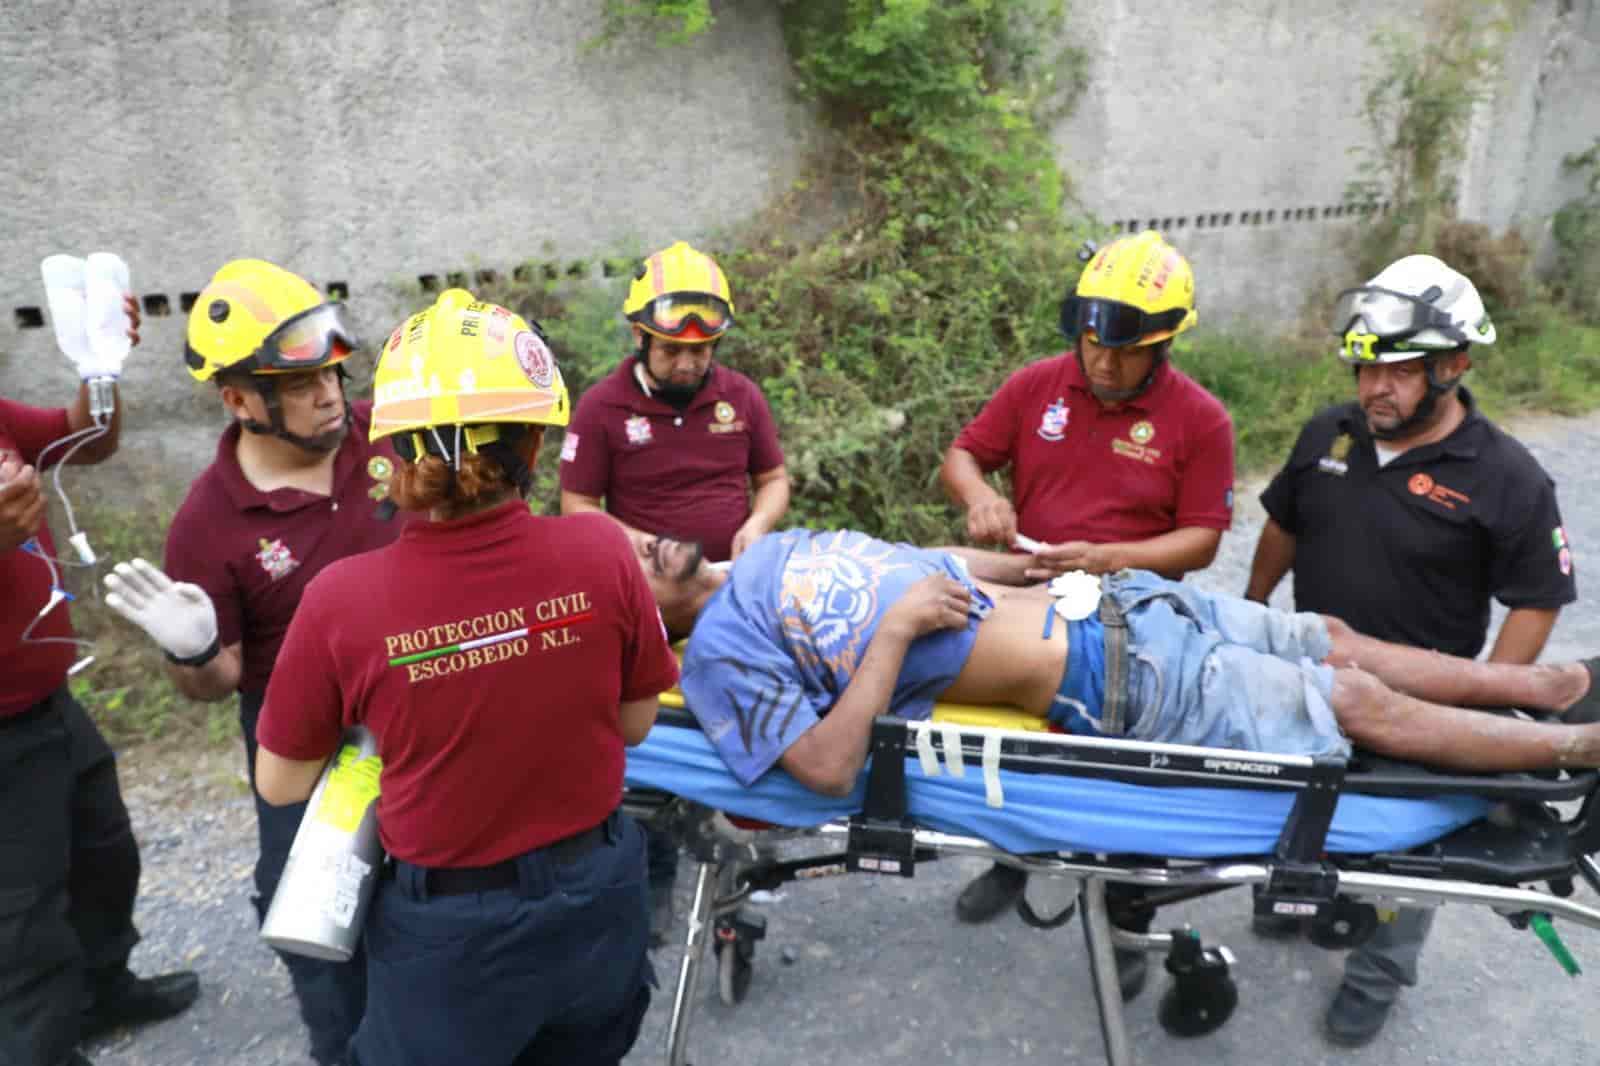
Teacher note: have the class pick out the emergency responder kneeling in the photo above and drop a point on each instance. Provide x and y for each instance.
(502, 661)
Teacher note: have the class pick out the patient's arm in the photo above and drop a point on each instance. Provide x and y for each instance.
(828, 757)
(1003, 568)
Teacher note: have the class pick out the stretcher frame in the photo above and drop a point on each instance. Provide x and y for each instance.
(1490, 861)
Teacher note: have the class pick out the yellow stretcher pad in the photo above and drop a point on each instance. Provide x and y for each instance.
(954, 713)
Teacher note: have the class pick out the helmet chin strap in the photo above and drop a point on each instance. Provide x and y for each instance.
(1105, 395)
(321, 444)
(678, 396)
(1427, 411)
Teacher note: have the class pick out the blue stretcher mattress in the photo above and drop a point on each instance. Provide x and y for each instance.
(1052, 812)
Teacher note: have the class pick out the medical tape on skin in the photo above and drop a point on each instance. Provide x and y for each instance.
(950, 736)
(993, 795)
(926, 754)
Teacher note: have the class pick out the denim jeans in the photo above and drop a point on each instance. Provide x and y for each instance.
(1224, 672)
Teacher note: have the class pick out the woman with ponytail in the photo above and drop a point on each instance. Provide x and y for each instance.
(502, 661)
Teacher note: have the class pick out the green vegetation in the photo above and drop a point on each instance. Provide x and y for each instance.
(1575, 277)
(1419, 102)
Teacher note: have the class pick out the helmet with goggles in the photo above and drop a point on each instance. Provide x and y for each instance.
(459, 373)
(1414, 307)
(1137, 290)
(680, 294)
(256, 318)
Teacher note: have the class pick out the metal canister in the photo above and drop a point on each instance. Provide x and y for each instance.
(333, 865)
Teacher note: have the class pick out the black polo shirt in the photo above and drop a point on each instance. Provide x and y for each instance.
(1413, 551)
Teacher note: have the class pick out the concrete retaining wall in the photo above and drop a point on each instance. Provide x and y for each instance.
(364, 146)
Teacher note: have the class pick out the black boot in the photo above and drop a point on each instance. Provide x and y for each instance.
(124, 999)
(990, 893)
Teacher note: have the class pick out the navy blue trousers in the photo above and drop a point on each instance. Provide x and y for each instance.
(550, 972)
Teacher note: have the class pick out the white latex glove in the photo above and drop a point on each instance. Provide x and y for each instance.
(177, 615)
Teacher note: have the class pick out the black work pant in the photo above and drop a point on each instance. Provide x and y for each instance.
(69, 872)
(332, 995)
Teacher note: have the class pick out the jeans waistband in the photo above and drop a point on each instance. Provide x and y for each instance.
(424, 881)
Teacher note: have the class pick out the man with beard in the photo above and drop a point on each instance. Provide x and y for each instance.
(1403, 514)
(1117, 458)
(809, 636)
(290, 491)
(673, 444)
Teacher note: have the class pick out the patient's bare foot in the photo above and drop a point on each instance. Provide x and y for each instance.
(1581, 701)
(1580, 746)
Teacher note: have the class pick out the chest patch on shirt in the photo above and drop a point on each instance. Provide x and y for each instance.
(380, 469)
(569, 447)
(276, 559)
(1137, 445)
(1334, 461)
(1423, 485)
(638, 429)
(727, 419)
(1053, 425)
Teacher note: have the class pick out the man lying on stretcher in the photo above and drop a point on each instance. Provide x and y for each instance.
(811, 635)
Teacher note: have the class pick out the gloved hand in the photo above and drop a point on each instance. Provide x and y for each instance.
(177, 615)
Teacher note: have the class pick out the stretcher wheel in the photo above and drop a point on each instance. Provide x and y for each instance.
(733, 973)
(1347, 925)
(1195, 1006)
(1202, 995)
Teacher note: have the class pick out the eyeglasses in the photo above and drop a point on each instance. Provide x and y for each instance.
(1114, 324)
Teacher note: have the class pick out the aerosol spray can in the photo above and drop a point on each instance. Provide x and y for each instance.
(332, 870)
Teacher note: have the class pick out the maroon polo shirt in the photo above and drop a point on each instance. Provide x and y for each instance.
(30, 672)
(683, 474)
(1161, 462)
(254, 552)
(489, 656)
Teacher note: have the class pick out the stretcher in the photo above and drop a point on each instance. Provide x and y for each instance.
(1326, 840)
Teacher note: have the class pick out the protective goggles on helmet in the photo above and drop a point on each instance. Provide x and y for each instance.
(311, 339)
(1113, 323)
(1368, 316)
(684, 314)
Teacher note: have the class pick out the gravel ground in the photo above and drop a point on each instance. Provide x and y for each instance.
(860, 969)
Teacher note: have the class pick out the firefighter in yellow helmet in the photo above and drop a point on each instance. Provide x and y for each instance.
(1118, 459)
(674, 444)
(502, 661)
(289, 492)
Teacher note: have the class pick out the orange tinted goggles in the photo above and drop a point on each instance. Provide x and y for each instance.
(675, 315)
(309, 340)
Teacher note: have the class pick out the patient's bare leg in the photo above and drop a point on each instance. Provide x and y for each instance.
(1446, 679)
(1376, 717)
